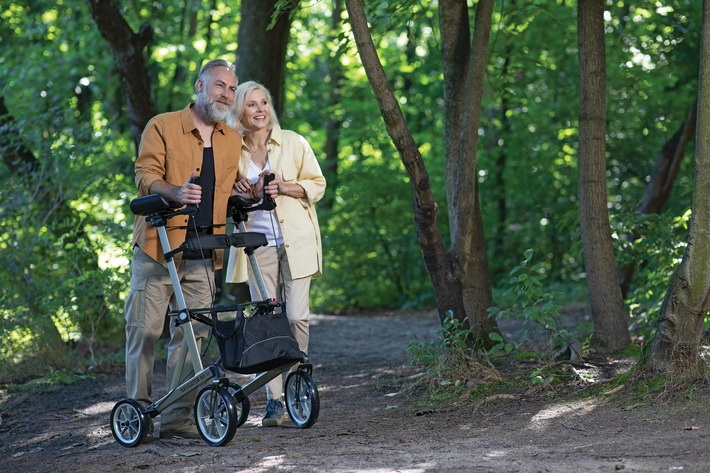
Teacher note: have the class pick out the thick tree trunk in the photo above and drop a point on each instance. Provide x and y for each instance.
(677, 342)
(464, 72)
(127, 48)
(261, 55)
(460, 278)
(611, 330)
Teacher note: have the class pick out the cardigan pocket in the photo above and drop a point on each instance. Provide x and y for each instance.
(289, 173)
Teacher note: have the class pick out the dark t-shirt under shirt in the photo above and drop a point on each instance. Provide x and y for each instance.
(201, 223)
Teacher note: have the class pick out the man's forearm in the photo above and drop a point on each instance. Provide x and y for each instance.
(165, 189)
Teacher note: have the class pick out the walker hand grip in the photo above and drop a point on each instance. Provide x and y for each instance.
(152, 204)
(192, 209)
(269, 203)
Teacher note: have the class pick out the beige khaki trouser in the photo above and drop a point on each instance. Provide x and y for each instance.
(294, 292)
(150, 295)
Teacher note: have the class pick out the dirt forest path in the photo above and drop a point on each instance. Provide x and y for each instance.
(364, 424)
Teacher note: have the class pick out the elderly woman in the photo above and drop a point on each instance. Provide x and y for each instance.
(294, 254)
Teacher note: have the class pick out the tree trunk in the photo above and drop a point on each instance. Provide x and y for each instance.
(464, 72)
(680, 324)
(261, 55)
(611, 330)
(460, 278)
(334, 122)
(127, 48)
(500, 190)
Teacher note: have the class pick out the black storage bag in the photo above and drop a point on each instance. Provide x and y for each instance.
(258, 343)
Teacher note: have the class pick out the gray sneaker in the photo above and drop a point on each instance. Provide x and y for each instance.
(274, 414)
(184, 428)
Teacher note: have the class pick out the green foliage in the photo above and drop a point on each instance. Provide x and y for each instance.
(53, 383)
(448, 361)
(655, 251)
(500, 343)
(65, 227)
(645, 387)
(532, 304)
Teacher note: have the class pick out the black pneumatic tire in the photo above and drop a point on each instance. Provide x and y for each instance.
(129, 424)
(302, 401)
(243, 407)
(215, 415)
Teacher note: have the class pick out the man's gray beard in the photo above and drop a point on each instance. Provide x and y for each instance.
(209, 109)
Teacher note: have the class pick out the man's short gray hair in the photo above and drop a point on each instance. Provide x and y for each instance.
(208, 66)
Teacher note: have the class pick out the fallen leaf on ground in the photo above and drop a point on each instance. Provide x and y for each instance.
(615, 390)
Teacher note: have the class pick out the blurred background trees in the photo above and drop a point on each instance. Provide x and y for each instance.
(67, 141)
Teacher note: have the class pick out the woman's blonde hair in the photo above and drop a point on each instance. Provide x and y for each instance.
(234, 118)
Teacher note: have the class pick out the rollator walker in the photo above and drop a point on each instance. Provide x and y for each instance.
(221, 404)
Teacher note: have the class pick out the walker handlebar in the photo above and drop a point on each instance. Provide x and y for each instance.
(238, 206)
(156, 206)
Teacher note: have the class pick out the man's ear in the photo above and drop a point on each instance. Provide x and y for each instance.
(199, 85)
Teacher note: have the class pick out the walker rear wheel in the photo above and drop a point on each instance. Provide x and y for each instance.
(215, 415)
(129, 424)
(242, 406)
(302, 402)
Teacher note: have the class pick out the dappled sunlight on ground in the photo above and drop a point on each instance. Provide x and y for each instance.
(97, 408)
(372, 420)
(558, 412)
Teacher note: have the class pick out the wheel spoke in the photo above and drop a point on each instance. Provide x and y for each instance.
(219, 425)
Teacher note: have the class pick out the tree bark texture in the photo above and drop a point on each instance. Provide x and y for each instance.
(611, 330)
(261, 52)
(463, 273)
(677, 341)
(127, 48)
(464, 72)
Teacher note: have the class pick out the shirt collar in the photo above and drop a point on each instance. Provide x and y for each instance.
(276, 135)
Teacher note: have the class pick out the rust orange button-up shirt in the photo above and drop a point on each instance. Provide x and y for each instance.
(170, 149)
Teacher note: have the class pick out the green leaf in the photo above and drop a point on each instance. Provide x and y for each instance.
(495, 336)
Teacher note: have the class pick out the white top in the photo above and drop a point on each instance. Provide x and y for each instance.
(263, 221)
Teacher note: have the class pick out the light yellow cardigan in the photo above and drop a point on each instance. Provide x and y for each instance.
(292, 158)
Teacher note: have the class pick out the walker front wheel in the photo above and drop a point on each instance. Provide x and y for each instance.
(302, 402)
(129, 424)
(215, 415)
